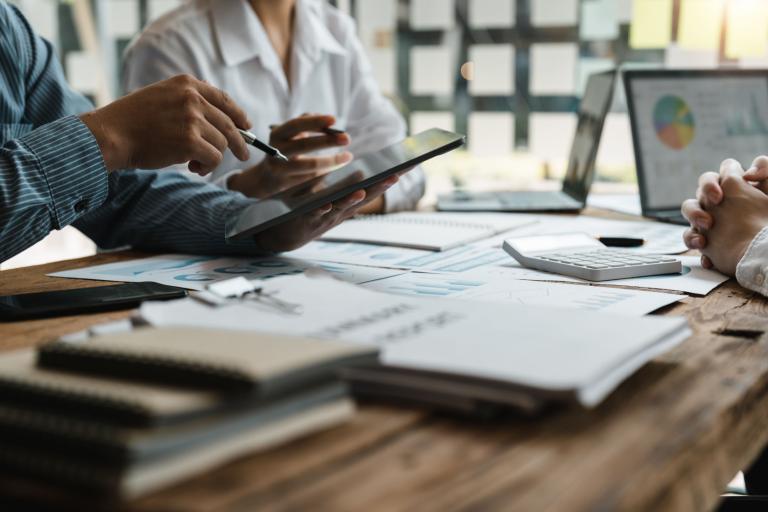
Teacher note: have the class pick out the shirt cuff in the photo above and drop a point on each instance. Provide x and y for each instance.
(223, 180)
(752, 270)
(69, 159)
(405, 195)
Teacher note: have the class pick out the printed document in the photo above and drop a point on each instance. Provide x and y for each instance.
(487, 286)
(429, 231)
(586, 353)
(196, 272)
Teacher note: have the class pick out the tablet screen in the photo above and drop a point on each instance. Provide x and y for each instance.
(360, 173)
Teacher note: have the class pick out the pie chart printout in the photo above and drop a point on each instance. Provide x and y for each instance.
(673, 121)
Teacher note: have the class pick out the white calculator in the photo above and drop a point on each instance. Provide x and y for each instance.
(580, 255)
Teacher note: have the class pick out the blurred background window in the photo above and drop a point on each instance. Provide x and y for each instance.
(508, 73)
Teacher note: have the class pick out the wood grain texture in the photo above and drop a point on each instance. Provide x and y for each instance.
(669, 438)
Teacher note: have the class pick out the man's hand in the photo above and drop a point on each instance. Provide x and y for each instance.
(301, 230)
(174, 121)
(294, 138)
(727, 214)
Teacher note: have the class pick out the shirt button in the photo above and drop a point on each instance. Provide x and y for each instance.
(81, 206)
(759, 278)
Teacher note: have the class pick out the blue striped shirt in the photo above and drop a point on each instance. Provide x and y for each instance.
(52, 173)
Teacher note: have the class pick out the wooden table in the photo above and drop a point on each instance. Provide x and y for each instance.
(670, 438)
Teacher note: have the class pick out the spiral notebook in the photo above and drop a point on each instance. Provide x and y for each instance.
(427, 231)
(212, 359)
(70, 455)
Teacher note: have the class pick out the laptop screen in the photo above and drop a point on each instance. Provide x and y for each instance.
(592, 111)
(686, 123)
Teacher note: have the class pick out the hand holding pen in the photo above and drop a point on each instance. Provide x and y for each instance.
(295, 139)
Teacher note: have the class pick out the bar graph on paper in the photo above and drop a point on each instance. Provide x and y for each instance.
(528, 293)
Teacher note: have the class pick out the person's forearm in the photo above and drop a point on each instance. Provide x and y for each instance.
(168, 212)
(48, 178)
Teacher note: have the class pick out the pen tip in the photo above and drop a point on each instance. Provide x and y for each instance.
(281, 156)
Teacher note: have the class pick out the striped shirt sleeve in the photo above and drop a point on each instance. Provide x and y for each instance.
(52, 172)
(166, 211)
(51, 169)
(48, 178)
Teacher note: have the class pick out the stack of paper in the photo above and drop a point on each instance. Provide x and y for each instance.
(466, 353)
(429, 231)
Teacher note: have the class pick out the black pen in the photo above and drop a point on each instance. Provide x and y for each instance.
(328, 130)
(621, 241)
(266, 148)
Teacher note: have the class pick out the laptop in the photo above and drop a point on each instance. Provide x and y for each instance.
(578, 179)
(685, 122)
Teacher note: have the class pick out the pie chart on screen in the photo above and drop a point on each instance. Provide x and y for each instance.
(673, 121)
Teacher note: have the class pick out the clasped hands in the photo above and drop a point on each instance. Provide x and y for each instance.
(730, 209)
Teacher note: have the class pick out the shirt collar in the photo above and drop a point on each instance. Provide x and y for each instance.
(238, 31)
(241, 36)
(312, 34)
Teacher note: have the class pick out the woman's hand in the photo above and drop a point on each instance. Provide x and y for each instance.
(296, 139)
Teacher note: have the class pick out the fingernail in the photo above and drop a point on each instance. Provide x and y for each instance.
(697, 242)
(702, 224)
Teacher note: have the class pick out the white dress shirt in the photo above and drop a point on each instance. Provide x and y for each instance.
(224, 43)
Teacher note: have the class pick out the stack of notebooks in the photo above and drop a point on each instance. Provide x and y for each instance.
(123, 414)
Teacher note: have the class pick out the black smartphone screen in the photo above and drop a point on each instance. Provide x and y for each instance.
(83, 300)
(360, 173)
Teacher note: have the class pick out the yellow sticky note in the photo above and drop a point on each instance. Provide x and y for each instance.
(651, 24)
(701, 24)
(746, 33)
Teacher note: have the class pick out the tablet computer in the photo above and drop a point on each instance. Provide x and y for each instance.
(358, 174)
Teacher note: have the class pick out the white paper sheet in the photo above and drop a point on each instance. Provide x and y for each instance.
(491, 13)
(660, 238)
(554, 13)
(685, 58)
(84, 72)
(484, 286)
(432, 14)
(424, 230)
(599, 20)
(423, 120)
(461, 259)
(695, 279)
(583, 351)
(491, 134)
(122, 18)
(551, 135)
(622, 203)
(493, 69)
(432, 70)
(196, 272)
(553, 68)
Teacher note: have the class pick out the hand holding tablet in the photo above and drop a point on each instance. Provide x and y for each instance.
(301, 229)
(338, 188)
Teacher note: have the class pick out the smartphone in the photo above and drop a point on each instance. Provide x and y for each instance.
(83, 300)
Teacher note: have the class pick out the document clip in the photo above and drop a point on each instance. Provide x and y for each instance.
(241, 290)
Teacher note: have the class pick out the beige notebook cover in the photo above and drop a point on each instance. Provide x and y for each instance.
(209, 358)
(120, 402)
